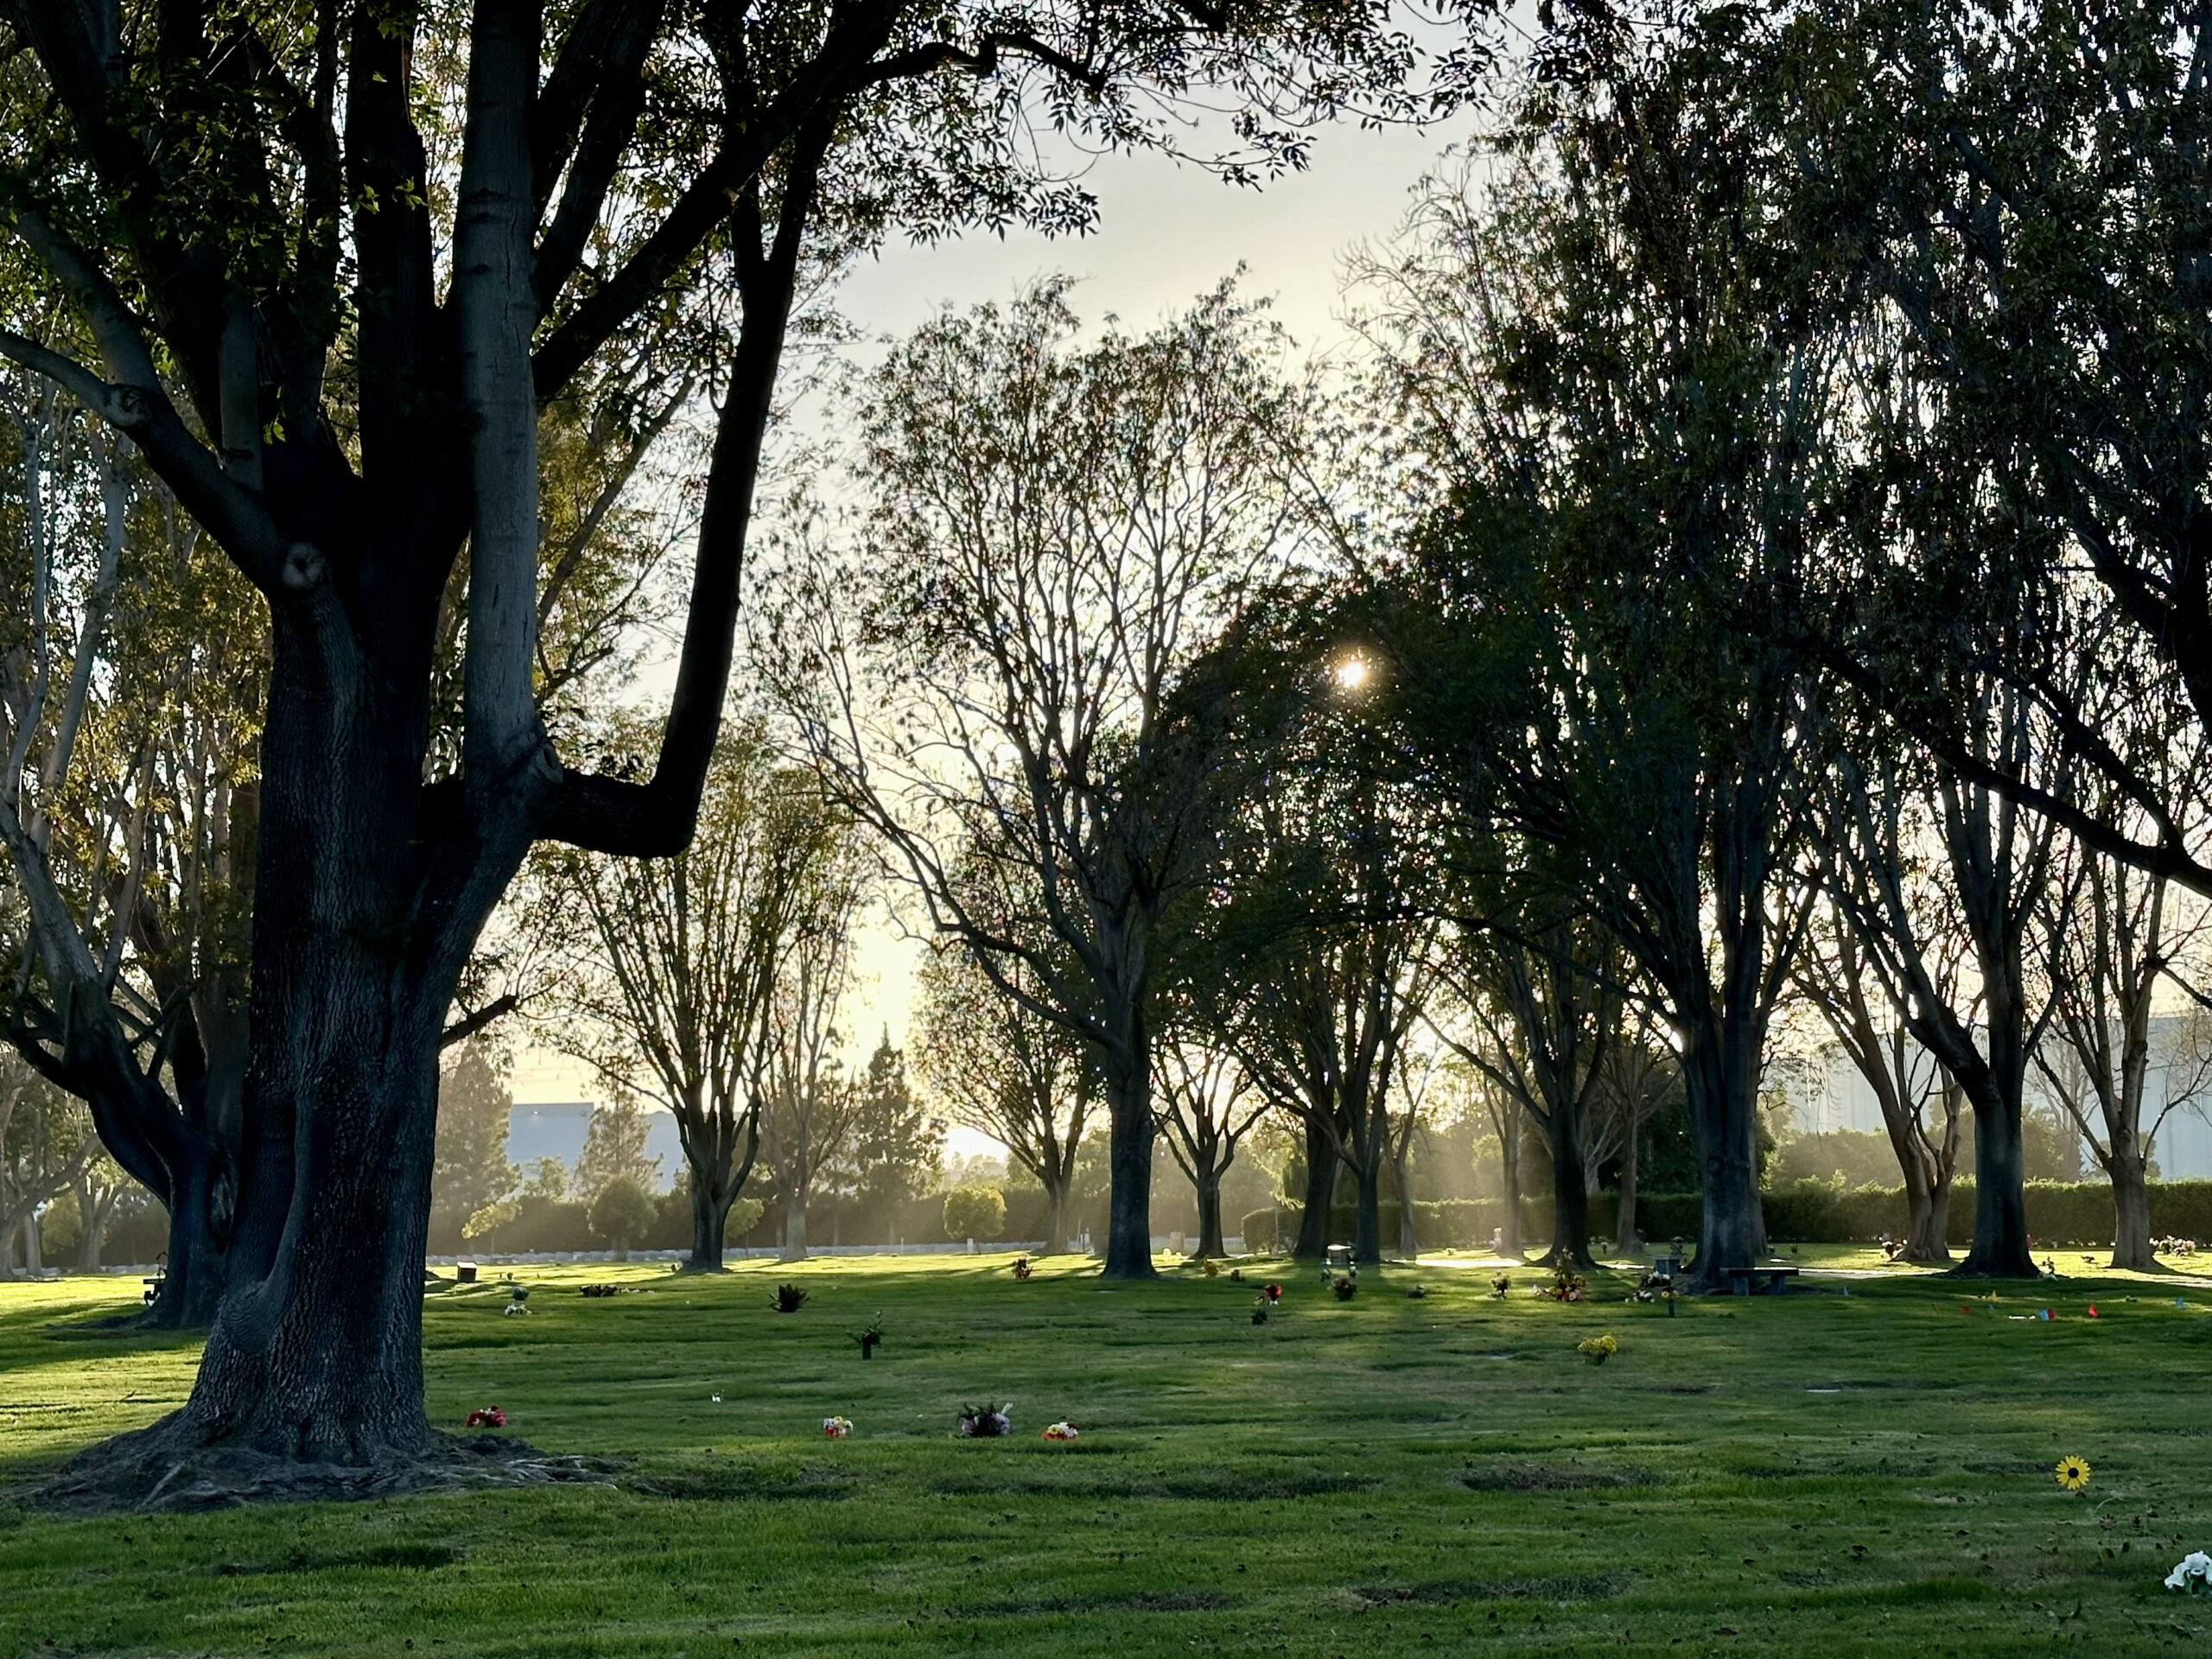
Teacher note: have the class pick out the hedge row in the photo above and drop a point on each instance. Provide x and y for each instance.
(542, 1225)
(2059, 1212)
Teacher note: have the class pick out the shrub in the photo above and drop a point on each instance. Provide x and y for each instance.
(975, 1213)
(484, 1223)
(2060, 1214)
(622, 1212)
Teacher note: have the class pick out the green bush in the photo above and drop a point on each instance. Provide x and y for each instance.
(2060, 1214)
(1025, 1213)
(622, 1212)
(975, 1213)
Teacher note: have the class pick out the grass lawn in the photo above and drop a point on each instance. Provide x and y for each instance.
(1818, 1473)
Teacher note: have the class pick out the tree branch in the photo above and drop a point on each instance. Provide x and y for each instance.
(469, 1024)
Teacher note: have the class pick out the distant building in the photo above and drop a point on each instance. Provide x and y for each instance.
(1828, 1093)
(554, 1128)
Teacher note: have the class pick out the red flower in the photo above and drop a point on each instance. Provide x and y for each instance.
(489, 1417)
(1273, 1293)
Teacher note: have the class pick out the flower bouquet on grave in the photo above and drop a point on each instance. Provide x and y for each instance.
(871, 1339)
(836, 1428)
(2193, 1575)
(487, 1417)
(1062, 1430)
(1499, 1285)
(1346, 1288)
(1596, 1350)
(1273, 1293)
(1021, 1267)
(1260, 1308)
(985, 1422)
(788, 1298)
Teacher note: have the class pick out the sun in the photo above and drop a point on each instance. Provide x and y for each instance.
(1352, 673)
(2073, 1473)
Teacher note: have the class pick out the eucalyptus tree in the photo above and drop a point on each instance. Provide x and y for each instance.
(674, 965)
(811, 1101)
(132, 816)
(1207, 1106)
(1595, 354)
(47, 1144)
(1937, 623)
(331, 277)
(2016, 189)
(995, 1064)
(2112, 936)
(1921, 1103)
(1309, 958)
(1638, 1076)
(1993, 874)
(1540, 1002)
(1058, 534)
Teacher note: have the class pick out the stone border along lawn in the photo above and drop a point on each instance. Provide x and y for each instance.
(1814, 1474)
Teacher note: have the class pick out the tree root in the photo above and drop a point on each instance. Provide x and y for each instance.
(158, 1470)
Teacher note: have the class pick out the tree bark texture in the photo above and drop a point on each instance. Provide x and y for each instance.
(2131, 1208)
(1320, 1192)
(1570, 1195)
(1130, 1131)
(1509, 1146)
(1056, 1215)
(1208, 1187)
(1721, 1076)
(1126, 1060)
(1626, 1240)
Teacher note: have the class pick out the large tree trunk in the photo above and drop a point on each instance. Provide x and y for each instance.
(1720, 1078)
(1626, 1241)
(2001, 1249)
(192, 1280)
(1939, 1218)
(315, 1355)
(1367, 1230)
(1128, 1220)
(91, 1225)
(1508, 1142)
(1920, 1236)
(1056, 1213)
(1570, 1192)
(1208, 1185)
(1409, 1229)
(2130, 1210)
(795, 1226)
(709, 1221)
(1320, 1193)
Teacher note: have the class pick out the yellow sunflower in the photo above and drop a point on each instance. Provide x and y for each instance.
(2073, 1473)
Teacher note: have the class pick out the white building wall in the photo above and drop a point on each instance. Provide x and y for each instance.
(1827, 1094)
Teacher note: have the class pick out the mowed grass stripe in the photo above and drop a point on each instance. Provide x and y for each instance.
(1810, 1474)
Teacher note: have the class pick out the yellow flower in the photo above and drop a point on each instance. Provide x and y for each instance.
(2073, 1473)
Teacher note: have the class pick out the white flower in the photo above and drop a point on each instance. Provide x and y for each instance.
(2194, 1574)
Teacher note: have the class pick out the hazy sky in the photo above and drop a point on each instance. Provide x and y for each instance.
(1165, 234)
